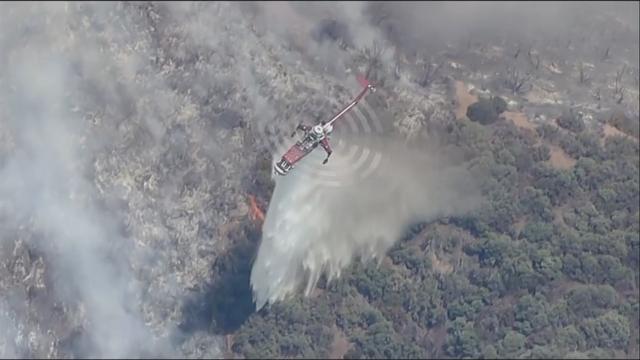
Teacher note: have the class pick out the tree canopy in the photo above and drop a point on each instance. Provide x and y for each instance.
(547, 268)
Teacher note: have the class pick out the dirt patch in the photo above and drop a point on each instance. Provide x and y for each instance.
(519, 225)
(558, 215)
(340, 345)
(223, 233)
(562, 288)
(387, 262)
(228, 342)
(610, 131)
(539, 95)
(438, 336)
(560, 159)
(519, 119)
(464, 99)
(316, 292)
(440, 265)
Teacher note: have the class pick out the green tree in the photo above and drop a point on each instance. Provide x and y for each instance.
(549, 132)
(535, 202)
(614, 271)
(587, 300)
(512, 344)
(379, 341)
(545, 352)
(531, 314)
(517, 273)
(412, 259)
(425, 304)
(499, 104)
(632, 240)
(541, 153)
(486, 111)
(546, 264)
(558, 185)
(371, 280)
(610, 330)
(293, 329)
(538, 231)
(620, 147)
(587, 173)
(612, 243)
(493, 250)
(571, 121)
(567, 240)
(570, 338)
(559, 314)
(462, 340)
(489, 352)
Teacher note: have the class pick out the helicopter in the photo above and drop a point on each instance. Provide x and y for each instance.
(318, 134)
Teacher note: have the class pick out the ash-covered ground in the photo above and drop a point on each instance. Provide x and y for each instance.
(131, 134)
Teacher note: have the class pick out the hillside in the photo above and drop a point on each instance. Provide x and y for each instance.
(136, 144)
(547, 269)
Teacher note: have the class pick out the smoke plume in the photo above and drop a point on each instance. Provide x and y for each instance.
(93, 157)
(45, 184)
(311, 229)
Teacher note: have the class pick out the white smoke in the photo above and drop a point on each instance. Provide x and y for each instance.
(73, 76)
(311, 229)
(43, 182)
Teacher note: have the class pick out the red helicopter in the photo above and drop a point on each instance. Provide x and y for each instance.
(317, 135)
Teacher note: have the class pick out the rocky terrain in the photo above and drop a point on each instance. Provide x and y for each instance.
(131, 135)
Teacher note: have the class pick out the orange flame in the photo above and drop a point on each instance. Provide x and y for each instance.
(254, 211)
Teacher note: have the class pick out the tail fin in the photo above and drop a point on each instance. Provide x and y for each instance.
(364, 82)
